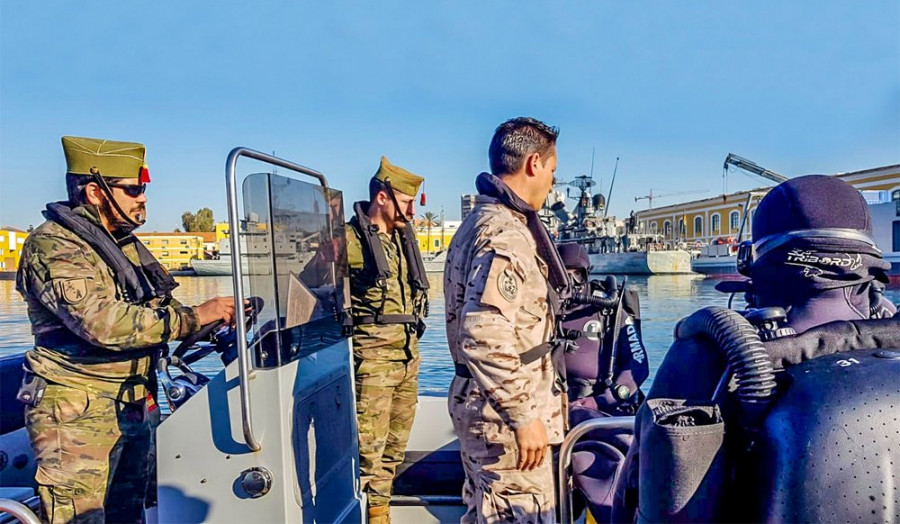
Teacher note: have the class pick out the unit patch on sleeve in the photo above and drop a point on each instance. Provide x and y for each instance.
(508, 286)
(72, 290)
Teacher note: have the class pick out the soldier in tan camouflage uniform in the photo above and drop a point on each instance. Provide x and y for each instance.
(389, 302)
(100, 307)
(500, 284)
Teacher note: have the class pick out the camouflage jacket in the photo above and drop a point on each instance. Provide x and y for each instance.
(374, 341)
(71, 294)
(495, 292)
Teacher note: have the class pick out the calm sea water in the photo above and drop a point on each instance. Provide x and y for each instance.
(664, 300)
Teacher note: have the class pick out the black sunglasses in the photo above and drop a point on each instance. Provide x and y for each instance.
(132, 190)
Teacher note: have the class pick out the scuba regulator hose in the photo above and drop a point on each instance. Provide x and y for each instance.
(745, 354)
(587, 298)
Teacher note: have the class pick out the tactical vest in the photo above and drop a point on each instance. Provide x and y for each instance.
(370, 282)
(139, 282)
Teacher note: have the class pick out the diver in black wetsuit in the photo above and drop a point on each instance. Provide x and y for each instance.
(813, 256)
(605, 368)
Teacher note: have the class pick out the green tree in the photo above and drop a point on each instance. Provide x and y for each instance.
(202, 221)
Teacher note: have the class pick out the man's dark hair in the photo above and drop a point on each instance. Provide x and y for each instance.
(75, 185)
(375, 186)
(515, 139)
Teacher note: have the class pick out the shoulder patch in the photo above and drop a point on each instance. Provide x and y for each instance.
(508, 286)
(72, 290)
(502, 286)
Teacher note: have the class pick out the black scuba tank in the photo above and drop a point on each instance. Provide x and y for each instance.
(829, 451)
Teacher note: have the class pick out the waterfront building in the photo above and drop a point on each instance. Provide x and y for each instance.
(210, 246)
(467, 204)
(175, 250)
(718, 219)
(11, 241)
(222, 231)
(438, 238)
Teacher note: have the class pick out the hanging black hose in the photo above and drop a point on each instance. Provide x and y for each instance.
(586, 296)
(745, 354)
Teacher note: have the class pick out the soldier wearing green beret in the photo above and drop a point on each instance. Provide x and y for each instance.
(389, 302)
(100, 307)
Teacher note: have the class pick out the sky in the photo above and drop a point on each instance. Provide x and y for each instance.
(669, 88)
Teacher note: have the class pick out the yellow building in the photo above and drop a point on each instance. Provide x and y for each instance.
(705, 221)
(11, 241)
(174, 250)
(223, 231)
(438, 238)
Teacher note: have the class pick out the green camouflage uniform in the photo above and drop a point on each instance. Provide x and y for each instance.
(387, 367)
(91, 432)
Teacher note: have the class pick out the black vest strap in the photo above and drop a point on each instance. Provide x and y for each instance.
(536, 353)
(58, 338)
(373, 251)
(415, 265)
(385, 319)
(139, 283)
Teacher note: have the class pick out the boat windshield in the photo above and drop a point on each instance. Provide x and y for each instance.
(293, 256)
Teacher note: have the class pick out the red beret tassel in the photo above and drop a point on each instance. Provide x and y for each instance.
(144, 177)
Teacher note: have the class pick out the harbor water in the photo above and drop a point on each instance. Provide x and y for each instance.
(664, 300)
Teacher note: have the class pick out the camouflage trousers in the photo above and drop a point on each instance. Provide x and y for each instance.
(386, 397)
(494, 489)
(93, 456)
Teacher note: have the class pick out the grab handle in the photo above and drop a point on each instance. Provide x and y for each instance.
(18, 511)
(244, 362)
(565, 457)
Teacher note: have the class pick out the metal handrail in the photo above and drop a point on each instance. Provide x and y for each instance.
(244, 363)
(18, 510)
(565, 457)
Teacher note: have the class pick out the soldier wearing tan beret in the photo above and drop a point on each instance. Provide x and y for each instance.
(100, 307)
(389, 302)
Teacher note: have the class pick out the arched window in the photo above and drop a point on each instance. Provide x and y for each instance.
(682, 228)
(654, 227)
(667, 229)
(734, 220)
(698, 226)
(715, 224)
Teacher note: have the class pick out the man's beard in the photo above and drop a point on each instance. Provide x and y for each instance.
(117, 223)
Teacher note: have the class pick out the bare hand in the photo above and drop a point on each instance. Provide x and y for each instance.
(219, 308)
(533, 445)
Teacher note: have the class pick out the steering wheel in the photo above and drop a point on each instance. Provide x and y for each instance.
(211, 332)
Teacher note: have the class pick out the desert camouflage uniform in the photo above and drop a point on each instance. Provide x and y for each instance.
(386, 360)
(91, 432)
(495, 289)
